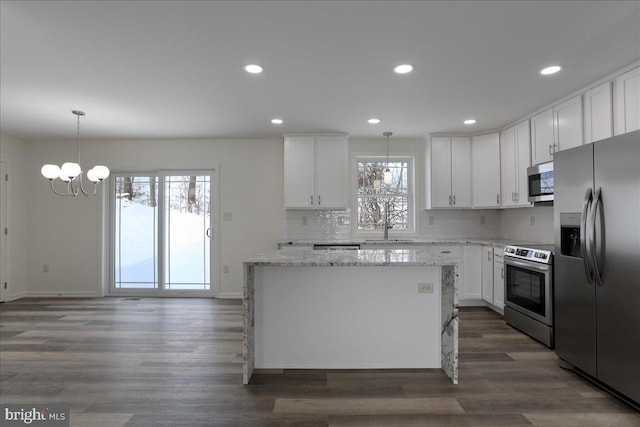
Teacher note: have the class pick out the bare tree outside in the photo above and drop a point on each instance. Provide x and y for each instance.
(373, 194)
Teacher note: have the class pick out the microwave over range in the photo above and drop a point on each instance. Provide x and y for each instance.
(540, 183)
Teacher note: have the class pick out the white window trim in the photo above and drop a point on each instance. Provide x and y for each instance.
(412, 230)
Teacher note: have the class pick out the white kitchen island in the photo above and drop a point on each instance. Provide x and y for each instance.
(348, 309)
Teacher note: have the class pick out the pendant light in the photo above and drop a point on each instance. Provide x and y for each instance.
(388, 178)
(71, 172)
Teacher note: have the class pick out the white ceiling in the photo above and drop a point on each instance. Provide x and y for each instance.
(144, 69)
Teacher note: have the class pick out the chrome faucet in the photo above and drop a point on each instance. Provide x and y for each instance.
(387, 223)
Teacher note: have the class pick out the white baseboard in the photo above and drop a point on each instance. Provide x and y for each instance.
(15, 297)
(230, 295)
(472, 302)
(62, 294)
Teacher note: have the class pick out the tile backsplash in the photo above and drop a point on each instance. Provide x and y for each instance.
(317, 225)
(533, 224)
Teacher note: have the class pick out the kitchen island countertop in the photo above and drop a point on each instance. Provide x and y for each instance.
(348, 268)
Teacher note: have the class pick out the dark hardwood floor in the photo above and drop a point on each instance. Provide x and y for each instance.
(178, 362)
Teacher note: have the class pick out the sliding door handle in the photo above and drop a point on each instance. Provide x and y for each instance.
(209, 232)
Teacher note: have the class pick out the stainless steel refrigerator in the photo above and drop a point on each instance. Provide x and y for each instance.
(597, 261)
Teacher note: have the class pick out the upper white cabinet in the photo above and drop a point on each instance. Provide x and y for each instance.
(514, 149)
(598, 118)
(449, 175)
(627, 102)
(316, 171)
(568, 124)
(542, 137)
(485, 162)
(555, 129)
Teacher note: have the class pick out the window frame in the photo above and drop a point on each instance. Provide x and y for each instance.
(410, 158)
(161, 291)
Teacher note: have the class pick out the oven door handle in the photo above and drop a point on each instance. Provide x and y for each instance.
(528, 265)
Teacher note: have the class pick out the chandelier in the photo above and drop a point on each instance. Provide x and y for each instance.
(71, 172)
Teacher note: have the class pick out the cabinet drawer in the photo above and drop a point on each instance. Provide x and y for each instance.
(448, 251)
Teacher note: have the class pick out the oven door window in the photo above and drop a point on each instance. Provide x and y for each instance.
(526, 288)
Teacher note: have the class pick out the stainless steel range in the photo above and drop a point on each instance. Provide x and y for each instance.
(528, 283)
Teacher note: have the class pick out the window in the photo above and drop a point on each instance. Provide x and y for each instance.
(374, 196)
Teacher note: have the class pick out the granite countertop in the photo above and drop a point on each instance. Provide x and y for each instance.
(342, 258)
(497, 242)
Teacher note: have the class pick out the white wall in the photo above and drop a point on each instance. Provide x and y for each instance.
(14, 152)
(65, 233)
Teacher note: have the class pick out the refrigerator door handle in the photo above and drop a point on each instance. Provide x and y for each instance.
(597, 200)
(584, 248)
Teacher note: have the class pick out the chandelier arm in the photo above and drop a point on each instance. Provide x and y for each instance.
(86, 193)
(73, 189)
(53, 188)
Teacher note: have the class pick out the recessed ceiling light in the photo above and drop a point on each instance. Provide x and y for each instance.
(277, 121)
(550, 70)
(403, 69)
(254, 68)
(469, 121)
(373, 121)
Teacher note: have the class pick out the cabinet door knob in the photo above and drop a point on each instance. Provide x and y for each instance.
(550, 149)
(454, 199)
(319, 202)
(312, 200)
(450, 200)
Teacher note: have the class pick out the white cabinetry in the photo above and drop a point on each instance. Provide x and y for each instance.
(498, 278)
(515, 148)
(316, 171)
(555, 129)
(485, 162)
(471, 273)
(627, 102)
(542, 137)
(567, 119)
(469, 269)
(487, 274)
(598, 120)
(449, 177)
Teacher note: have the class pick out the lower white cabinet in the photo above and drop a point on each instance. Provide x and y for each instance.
(498, 278)
(469, 269)
(487, 274)
(471, 284)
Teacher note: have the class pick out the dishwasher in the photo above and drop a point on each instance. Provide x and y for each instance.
(336, 246)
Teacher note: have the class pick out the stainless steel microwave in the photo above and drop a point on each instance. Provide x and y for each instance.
(540, 183)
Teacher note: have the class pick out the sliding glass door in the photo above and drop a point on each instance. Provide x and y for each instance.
(162, 233)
